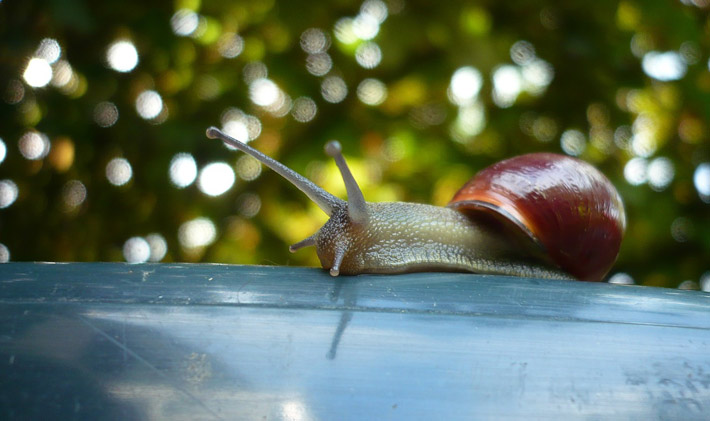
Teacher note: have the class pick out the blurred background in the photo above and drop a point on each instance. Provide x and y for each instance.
(104, 107)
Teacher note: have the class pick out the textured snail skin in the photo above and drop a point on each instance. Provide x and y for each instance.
(563, 203)
(410, 237)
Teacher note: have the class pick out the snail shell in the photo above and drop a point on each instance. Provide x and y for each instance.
(564, 204)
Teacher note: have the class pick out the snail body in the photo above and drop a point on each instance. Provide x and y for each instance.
(412, 237)
(500, 222)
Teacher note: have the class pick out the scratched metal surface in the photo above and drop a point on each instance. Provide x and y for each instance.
(193, 342)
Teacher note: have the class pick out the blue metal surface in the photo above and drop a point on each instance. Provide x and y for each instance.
(118, 341)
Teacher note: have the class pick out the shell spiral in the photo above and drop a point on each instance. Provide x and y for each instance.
(564, 204)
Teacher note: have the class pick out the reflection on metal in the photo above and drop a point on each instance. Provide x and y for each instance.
(349, 300)
(184, 342)
(344, 320)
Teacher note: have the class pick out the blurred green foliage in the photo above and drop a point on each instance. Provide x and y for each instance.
(624, 85)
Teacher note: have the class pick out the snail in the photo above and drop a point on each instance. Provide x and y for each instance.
(538, 215)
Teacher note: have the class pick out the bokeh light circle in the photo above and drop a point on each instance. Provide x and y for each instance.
(314, 41)
(4, 253)
(122, 56)
(183, 170)
(660, 173)
(304, 109)
(216, 178)
(3, 150)
(635, 171)
(621, 278)
(372, 92)
(198, 232)
(119, 171)
(149, 104)
(465, 85)
(701, 179)
(136, 250)
(34, 145)
(49, 49)
(158, 247)
(38, 73)
(184, 22)
(333, 89)
(8, 193)
(105, 114)
(573, 142)
(368, 55)
(73, 194)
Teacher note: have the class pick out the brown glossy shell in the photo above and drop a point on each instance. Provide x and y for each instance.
(564, 204)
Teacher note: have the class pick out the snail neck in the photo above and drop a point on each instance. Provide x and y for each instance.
(405, 237)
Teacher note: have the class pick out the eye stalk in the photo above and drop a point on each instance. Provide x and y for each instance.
(320, 197)
(357, 207)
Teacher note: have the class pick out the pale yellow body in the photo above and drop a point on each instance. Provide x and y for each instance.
(406, 237)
